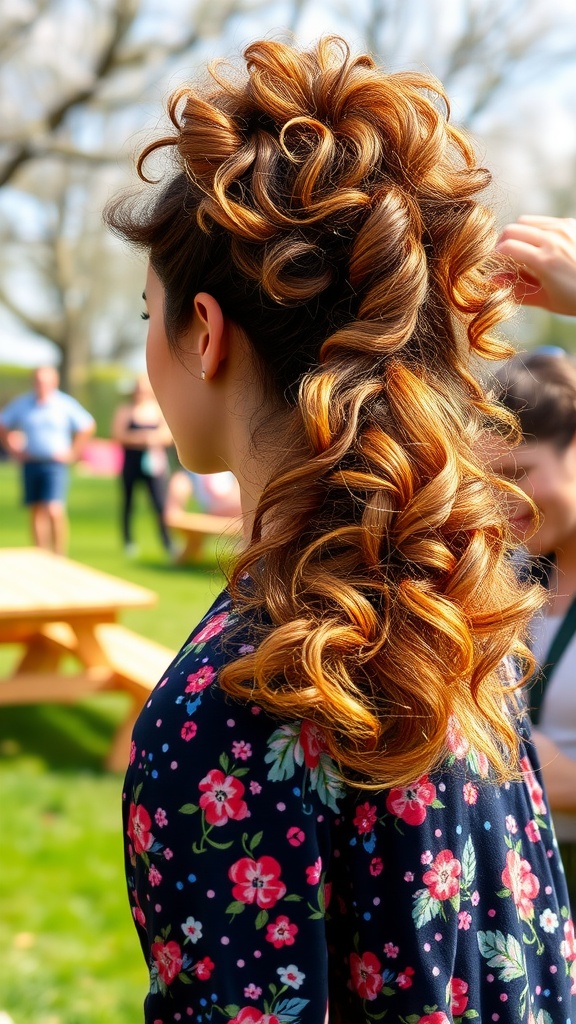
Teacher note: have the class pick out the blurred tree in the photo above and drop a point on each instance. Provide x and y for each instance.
(74, 76)
(77, 77)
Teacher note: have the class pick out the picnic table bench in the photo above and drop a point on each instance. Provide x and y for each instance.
(195, 527)
(53, 607)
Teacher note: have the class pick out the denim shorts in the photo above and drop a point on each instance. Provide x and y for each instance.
(44, 482)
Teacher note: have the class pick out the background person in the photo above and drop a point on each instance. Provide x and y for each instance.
(540, 387)
(315, 822)
(141, 429)
(46, 430)
(216, 493)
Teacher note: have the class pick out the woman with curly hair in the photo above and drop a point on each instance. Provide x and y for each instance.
(332, 808)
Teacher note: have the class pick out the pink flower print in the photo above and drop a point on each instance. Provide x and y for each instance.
(470, 792)
(139, 822)
(160, 817)
(572, 975)
(409, 803)
(511, 824)
(523, 885)
(568, 945)
(167, 957)
(426, 857)
(438, 1017)
(443, 878)
(188, 731)
(464, 920)
(222, 798)
(154, 876)
(257, 881)
(459, 999)
(532, 831)
(365, 818)
(137, 912)
(313, 743)
(409, 876)
(455, 740)
(252, 1015)
(483, 764)
(252, 991)
(203, 969)
(214, 626)
(391, 950)
(376, 866)
(534, 787)
(314, 872)
(366, 975)
(168, 853)
(132, 752)
(255, 788)
(475, 898)
(199, 680)
(404, 979)
(295, 836)
(241, 750)
(281, 932)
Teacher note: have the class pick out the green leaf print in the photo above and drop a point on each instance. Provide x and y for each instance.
(503, 952)
(325, 780)
(235, 907)
(425, 907)
(188, 809)
(468, 863)
(281, 752)
(261, 919)
(544, 1017)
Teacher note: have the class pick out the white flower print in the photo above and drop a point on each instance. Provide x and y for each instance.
(548, 920)
(192, 929)
(291, 976)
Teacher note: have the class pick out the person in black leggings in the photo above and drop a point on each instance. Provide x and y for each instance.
(142, 431)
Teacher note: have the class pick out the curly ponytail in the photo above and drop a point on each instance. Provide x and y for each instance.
(331, 209)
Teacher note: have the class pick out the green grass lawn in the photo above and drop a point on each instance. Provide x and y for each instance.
(68, 948)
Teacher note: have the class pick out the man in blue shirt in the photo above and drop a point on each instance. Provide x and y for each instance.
(46, 430)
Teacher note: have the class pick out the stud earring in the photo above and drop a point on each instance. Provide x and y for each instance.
(203, 374)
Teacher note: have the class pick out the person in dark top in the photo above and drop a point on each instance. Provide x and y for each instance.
(333, 810)
(142, 431)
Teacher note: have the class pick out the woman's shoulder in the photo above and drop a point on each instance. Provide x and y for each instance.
(190, 722)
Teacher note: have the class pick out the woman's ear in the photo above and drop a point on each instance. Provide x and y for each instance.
(212, 334)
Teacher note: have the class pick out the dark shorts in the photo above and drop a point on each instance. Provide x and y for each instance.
(44, 482)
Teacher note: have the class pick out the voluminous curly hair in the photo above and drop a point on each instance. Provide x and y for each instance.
(331, 210)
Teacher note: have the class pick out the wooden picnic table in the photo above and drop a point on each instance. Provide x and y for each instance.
(53, 606)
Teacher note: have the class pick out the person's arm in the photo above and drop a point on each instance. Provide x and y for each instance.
(80, 440)
(544, 249)
(559, 773)
(12, 441)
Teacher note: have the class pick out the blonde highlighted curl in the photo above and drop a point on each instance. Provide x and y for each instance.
(380, 550)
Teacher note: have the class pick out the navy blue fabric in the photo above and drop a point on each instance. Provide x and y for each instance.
(265, 891)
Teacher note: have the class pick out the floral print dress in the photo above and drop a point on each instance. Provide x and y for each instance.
(265, 891)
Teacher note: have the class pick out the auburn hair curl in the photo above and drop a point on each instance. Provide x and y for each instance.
(331, 210)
